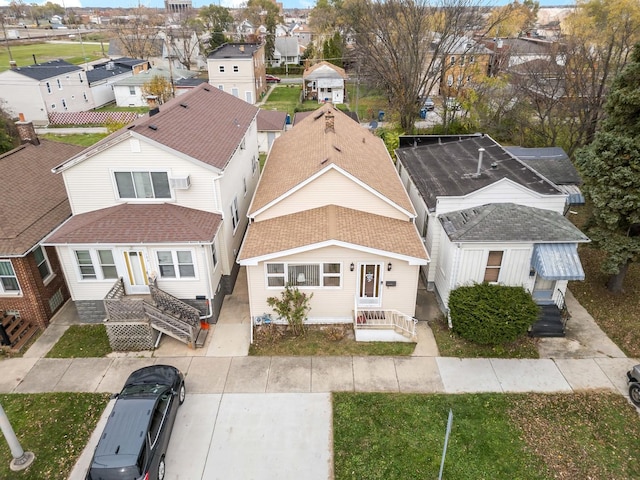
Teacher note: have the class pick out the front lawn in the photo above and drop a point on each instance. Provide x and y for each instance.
(82, 341)
(283, 98)
(54, 426)
(493, 436)
(324, 343)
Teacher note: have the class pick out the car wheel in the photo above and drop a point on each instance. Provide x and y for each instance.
(161, 469)
(181, 394)
(634, 393)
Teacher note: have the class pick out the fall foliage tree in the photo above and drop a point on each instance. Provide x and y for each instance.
(159, 87)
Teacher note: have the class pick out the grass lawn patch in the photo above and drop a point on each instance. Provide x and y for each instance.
(82, 139)
(370, 102)
(283, 98)
(54, 426)
(82, 341)
(452, 345)
(324, 343)
(71, 52)
(493, 436)
(115, 108)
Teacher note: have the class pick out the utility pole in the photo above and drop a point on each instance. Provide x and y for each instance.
(6, 40)
(21, 459)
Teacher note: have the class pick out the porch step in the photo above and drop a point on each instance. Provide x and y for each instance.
(549, 324)
(16, 332)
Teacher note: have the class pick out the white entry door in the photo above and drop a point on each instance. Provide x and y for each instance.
(543, 290)
(137, 280)
(369, 285)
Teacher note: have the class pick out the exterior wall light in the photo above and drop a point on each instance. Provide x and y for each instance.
(352, 267)
(389, 267)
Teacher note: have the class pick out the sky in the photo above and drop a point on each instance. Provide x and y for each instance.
(227, 3)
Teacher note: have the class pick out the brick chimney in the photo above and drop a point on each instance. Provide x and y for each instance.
(329, 125)
(26, 131)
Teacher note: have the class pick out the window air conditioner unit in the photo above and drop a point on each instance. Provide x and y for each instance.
(180, 183)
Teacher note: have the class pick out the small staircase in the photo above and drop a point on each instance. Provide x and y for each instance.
(551, 322)
(15, 331)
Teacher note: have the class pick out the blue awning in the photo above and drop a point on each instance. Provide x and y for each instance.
(557, 261)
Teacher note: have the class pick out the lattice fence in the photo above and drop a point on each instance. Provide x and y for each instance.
(85, 118)
(131, 336)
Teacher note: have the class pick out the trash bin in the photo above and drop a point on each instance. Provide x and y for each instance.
(380, 116)
(423, 113)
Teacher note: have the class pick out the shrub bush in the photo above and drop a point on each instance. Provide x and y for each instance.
(491, 314)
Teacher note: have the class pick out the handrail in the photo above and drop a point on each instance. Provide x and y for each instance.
(563, 308)
(386, 318)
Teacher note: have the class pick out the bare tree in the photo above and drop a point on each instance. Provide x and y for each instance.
(137, 35)
(183, 38)
(401, 45)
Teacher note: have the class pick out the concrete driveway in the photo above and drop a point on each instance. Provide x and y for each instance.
(280, 436)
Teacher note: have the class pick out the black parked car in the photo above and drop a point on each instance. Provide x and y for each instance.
(134, 441)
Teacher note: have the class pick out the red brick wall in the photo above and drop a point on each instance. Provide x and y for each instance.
(33, 304)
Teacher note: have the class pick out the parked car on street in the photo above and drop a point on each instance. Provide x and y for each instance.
(633, 379)
(135, 438)
(428, 104)
(272, 78)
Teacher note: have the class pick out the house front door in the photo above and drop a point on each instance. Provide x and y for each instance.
(369, 285)
(543, 290)
(136, 281)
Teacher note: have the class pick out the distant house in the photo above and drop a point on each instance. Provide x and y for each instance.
(128, 92)
(160, 207)
(43, 88)
(330, 217)
(32, 284)
(324, 82)
(103, 76)
(286, 51)
(271, 124)
(303, 33)
(239, 69)
(487, 216)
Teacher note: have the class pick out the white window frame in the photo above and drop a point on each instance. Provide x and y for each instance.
(236, 69)
(45, 261)
(48, 85)
(96, 265)
(64, 103)
(235, 215)
(221, 87)
(221, 68)
(59, 84)
(214, 255)
(14, 276)
(254, 165)
(244, 185)
(284, 275)
(176, 264)
(132, 90)
(136, 198)
(492, 268)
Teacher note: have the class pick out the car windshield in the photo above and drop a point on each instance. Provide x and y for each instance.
(143, 389)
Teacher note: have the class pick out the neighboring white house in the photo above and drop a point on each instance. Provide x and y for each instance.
(324, 82)
(486, 216)
(103, 76)
(271, 124)
(37, 90)
(239, 69)
(165, 198)
(331, 218)
(286, 51)
(128, 92)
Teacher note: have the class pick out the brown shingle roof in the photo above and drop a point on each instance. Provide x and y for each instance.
(204, 123)
(328, 223)
(136, 223)
(271, 120)
(309, 147)
(34, 200)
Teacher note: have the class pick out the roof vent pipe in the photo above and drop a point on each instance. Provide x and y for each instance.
(480, 155)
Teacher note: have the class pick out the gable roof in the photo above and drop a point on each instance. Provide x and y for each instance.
(447, 165)
(271, 120)
(34, 201)
(103, 72)
(508, 222)
(145, 76)
(332, 224)
(42, 71)
(323, 69)
(552, 162)
(299, 116)
(138, 223)
(311, 147)
(192, 124)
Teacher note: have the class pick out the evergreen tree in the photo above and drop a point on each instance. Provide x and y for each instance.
(610, 167)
